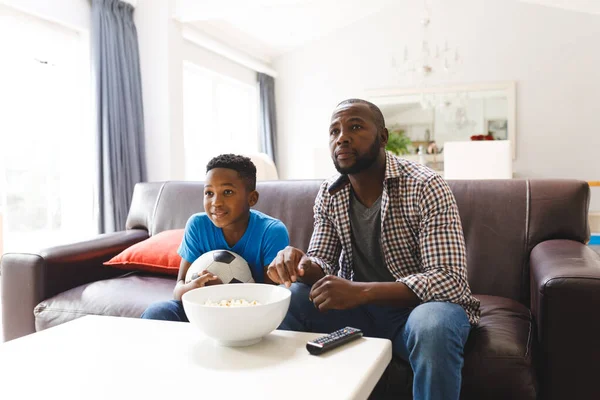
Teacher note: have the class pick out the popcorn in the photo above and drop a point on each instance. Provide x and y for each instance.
(232, 303)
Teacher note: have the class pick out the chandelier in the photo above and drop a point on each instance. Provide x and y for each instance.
(430, 59)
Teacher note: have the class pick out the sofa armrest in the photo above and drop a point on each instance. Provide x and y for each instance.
(27, 279)
(565, 299)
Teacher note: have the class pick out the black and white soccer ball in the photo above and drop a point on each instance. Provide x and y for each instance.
(227, 265)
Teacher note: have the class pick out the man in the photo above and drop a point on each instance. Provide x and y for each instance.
(387, 255)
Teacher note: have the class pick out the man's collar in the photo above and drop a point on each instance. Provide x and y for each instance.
(341, 182)
(392, 170)
(392, 166)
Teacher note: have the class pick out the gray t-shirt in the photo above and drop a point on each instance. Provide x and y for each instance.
(367, 257)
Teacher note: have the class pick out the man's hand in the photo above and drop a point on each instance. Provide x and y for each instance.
(335, 293)
(289, 264)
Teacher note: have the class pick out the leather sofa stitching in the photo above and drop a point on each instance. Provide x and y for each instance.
(529, 334)
(526, 252)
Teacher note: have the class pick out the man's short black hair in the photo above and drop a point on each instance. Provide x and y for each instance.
(377, 115)
(243, 165)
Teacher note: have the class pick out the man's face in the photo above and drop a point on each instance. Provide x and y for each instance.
(226, 197)
(354, 140)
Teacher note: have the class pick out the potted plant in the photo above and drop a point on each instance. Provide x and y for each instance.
(398, 143)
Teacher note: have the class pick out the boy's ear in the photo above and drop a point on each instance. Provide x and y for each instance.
(252, 198)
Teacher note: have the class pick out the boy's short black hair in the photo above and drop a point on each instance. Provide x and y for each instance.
(243, 165)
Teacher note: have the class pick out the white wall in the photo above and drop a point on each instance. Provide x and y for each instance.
(552, 54)
(162, 53)
(208, 59)
(158, 63)
(74, 14)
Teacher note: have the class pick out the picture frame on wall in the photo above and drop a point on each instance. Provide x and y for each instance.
(498, 128)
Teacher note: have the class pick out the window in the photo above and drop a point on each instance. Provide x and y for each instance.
(46, 144)
(220, 115)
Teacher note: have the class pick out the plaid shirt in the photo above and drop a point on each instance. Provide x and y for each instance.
(422, 238)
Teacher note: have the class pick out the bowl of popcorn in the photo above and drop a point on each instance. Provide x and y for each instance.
(238, 314)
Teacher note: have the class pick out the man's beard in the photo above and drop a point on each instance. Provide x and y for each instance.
(362, 162)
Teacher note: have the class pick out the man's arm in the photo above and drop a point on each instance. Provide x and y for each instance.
(335, 293)
(442, 247)
(389, 294)
(311, 273)
(292, 264)
(325, 247)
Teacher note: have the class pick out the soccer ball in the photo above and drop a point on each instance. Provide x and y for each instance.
(227, 265)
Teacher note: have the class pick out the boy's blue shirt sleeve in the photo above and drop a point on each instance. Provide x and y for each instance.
(189, 248)
(276, 239)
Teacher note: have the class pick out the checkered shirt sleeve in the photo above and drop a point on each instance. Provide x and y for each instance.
(325, 247)
(443, 256)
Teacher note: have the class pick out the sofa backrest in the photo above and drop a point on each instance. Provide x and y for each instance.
(502, 220)
(160, 206)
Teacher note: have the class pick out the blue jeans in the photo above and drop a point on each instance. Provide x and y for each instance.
(171, 310)
(431, 336)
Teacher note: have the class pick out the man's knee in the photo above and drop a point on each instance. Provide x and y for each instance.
(437, 326)
(300, 292)
(296, 314)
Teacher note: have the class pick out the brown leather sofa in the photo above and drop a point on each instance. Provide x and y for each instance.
(538, 283)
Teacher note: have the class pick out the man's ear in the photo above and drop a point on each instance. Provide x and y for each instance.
(384, 134)
(252, 198)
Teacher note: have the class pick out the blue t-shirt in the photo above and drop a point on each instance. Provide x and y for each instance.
(259, 245)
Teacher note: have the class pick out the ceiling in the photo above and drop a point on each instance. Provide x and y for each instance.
(586, 6)
(267, 29)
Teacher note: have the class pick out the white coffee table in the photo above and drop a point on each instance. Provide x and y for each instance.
(124, 358)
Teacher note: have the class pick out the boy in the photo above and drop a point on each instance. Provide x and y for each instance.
(228, 223)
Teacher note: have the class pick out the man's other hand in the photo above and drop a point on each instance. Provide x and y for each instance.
(335, 293)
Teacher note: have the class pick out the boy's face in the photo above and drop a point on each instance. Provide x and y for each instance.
(227, 200)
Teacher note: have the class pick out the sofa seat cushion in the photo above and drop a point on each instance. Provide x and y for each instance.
(498, 354)
(125, 296)
(498, 359)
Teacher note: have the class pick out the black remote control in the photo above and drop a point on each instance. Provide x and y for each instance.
(325, 343)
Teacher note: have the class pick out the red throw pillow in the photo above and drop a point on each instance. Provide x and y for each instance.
(155, 254)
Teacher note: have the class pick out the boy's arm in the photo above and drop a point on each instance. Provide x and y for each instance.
(180, 286)
(204, 280)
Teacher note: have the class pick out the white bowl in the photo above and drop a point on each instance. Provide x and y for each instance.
(237, 326)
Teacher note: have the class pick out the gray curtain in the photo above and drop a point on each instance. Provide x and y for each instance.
(121, 159)
(267, 121)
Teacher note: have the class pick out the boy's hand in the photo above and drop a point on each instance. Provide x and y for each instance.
(216, 281)
(205, 278)
(289, 264)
